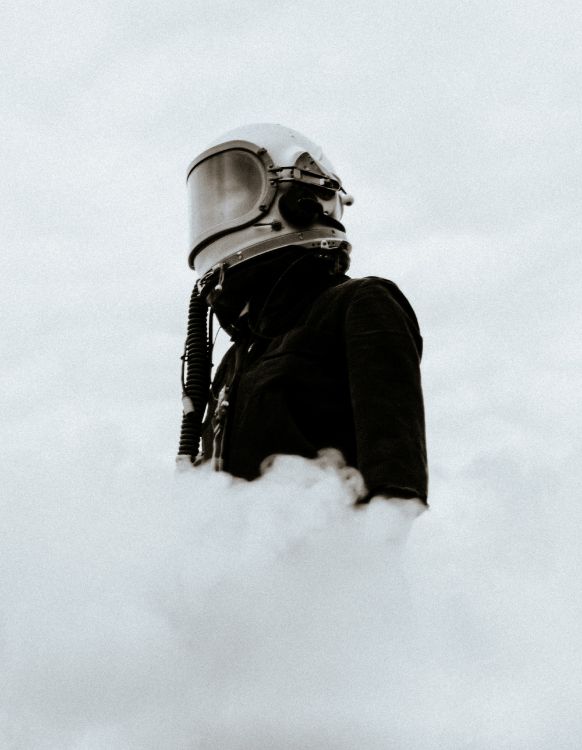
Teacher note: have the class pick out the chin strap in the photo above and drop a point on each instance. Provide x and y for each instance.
(196, 369)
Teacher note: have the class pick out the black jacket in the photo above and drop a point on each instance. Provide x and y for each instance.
(342, 371)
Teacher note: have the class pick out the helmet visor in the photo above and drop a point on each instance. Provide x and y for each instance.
(226, 190)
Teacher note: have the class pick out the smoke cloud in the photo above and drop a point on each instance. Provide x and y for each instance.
(217, 613)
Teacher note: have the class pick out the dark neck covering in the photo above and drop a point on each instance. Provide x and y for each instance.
(269, 296)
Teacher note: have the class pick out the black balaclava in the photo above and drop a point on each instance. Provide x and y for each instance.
(272, 290)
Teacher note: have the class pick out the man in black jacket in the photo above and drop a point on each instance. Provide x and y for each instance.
(318, 360)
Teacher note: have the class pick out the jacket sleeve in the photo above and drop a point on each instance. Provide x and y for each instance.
(383, 351)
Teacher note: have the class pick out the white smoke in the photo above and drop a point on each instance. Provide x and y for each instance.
(239, 615)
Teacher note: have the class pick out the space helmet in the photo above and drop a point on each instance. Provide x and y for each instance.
(259, 188)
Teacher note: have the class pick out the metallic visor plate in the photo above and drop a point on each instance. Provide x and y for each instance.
(225, 191)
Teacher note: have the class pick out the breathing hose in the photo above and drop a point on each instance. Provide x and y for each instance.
(196, 369)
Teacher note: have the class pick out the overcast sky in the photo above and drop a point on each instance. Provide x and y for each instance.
(456, 126)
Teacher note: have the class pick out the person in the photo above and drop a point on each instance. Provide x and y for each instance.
(318, 360)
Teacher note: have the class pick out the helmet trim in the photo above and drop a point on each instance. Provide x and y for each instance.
(315, 239)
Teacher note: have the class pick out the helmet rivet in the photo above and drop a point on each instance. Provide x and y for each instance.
(262, 207)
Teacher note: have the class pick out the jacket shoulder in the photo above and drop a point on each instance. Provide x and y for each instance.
(371, 287)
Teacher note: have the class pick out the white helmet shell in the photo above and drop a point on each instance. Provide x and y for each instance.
(260, 187)
(284, 144)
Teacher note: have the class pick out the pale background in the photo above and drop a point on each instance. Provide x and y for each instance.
(456, 126)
